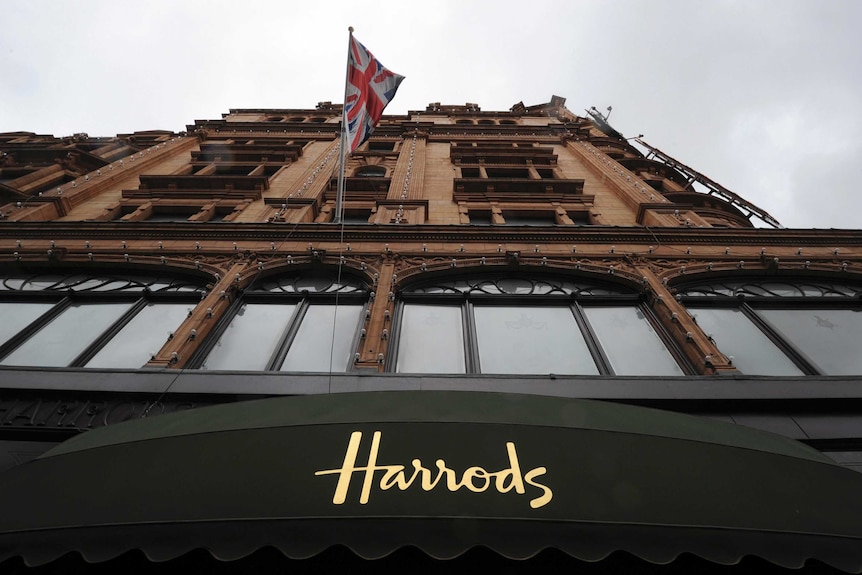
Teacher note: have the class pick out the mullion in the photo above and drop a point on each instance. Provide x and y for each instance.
(775, 336)
(107, 335)
(599, 357)
(472, 361)
(287, 336)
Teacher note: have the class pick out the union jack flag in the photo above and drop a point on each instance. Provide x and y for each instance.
(370, 87)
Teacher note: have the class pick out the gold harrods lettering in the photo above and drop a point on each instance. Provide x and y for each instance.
(475, 479)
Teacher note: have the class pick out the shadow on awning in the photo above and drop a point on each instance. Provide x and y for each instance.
(443, 472)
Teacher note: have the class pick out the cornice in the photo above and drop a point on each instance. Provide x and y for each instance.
(428, 233)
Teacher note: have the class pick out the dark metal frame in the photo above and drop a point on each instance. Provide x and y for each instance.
(606, 295)
(270, 291)
(67, 291)
(748, 298)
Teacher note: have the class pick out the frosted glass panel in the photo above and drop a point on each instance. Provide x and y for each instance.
(753, 353)
(310, 350)
(146, 333)
(16, 316)
(829, 337)
(250, 340)
(527, 340)
(431, 340)
(630, 343)
(61, 341)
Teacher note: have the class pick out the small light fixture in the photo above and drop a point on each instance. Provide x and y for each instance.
(90, 256)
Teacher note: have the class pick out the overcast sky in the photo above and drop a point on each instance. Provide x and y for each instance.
(764, 97)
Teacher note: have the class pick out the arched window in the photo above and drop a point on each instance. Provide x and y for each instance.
(306, 321)
(508, 324)
(370, 172)
(782, 327)
(101, 320)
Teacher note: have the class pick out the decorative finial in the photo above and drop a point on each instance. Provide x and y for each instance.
(350, 29)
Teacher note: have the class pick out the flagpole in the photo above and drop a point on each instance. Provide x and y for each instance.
(342, 161)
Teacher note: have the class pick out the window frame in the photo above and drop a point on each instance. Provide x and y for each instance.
(63, 299)
(575, 303)
(303, 300)
(749, 305)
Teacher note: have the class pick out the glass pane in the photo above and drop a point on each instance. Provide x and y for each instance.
(431, 340)
(314, 348)
(62, 340)
(17, 316)
(251, 338)
(145, 334)
(829, 337)
(630, 343)
(753, 353)
(531, 340)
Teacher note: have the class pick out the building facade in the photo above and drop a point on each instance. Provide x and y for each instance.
(531, 251)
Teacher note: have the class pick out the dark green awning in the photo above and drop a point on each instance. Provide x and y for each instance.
(449, 471)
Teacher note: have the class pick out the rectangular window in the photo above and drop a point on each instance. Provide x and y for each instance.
(531, 340)
(432, 340)
(59, 342)
(525, 218)
(629, 341)
(143, 335)
(251, 338)
(753, 353)
(314, 348)
(828, 337)
(16, 316)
